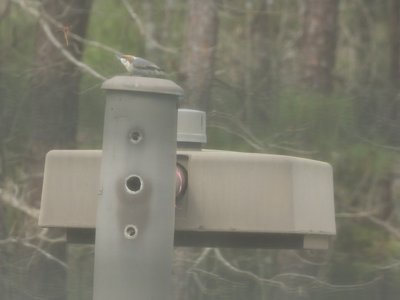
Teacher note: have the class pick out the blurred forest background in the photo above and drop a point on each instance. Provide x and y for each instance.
(311, 78)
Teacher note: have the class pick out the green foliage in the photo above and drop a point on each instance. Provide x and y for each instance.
(313, 120)
(361, 253)
(355, 128)
(16, 52)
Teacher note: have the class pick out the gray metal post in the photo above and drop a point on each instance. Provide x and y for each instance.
(135, 216)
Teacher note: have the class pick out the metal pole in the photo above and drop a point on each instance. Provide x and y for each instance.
(135, 216)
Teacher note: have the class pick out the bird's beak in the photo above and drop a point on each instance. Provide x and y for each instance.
(118, 56)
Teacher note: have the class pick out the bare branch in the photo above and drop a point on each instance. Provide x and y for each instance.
(385, 225)
(4, 8)
(247, 139)
(217, 277)
(372, 143)
(8, 241)
(307, 261)
(143, 30)
(46, 28)
(240, 130)
(389, 266)
(370, 217)
(60, 26)
(66, 53)
(198, 282)
(78, 37)
(195, 271)
(202, 256)
(360, 214)
(45, 253)
(247, 274)
(325, 284)
(43, 237)
(10, 198)
(278, 283)
(36, 248)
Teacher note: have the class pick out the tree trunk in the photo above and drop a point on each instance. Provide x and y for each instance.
(393, 107)
(4, 8)
(319, 43)
(55, 83)
(391, 184)
(54, 111)
(197, 69)
(394, 30)
(362, 28)
(256, 72)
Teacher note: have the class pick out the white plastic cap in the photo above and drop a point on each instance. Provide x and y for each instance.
(191, 126)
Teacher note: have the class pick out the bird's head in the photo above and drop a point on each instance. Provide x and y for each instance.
(126, 60)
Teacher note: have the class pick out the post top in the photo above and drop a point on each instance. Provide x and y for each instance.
(142, 84)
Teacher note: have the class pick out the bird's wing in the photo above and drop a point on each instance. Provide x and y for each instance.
(141, 63)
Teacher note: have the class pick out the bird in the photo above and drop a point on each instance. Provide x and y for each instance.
(139, 66)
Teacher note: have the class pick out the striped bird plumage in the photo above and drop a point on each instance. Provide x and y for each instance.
(139, 66)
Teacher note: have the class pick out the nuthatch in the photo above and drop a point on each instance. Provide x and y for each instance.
(139, 66)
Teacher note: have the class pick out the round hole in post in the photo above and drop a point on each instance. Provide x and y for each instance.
(135, 136)
(130, 231)
(134, 184)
